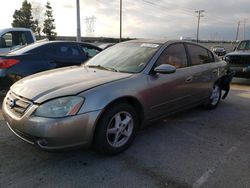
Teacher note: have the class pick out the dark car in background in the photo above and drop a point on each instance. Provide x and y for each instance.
(239, 60)
(106, 45)
(42, 56)
(219, 50)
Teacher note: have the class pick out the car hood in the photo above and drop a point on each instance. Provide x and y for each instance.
(62, 82)
(240, 52)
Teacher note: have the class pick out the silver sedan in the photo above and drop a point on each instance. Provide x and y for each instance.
(105, 101)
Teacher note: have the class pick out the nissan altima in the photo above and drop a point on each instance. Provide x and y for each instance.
(105, 101)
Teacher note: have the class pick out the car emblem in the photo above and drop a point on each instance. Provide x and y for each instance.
(12, 103)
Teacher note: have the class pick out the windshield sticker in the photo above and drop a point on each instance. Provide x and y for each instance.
(148, 45)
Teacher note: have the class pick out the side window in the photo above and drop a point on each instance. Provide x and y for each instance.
(29, 37)
(15, 38)
(199, 55)
(7, 40)
(211, 57)
(174, 55)
(68, 51)
(90, 52)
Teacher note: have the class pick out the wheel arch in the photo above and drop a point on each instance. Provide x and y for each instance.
(134, 102)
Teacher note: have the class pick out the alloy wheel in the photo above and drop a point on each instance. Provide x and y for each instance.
(120, 129)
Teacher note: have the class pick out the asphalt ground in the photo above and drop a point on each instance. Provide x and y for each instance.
(196, 148)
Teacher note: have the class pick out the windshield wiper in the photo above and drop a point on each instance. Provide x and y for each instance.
(102, 67)
(112, 69)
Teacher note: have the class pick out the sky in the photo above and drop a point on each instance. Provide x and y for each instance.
(146, 18)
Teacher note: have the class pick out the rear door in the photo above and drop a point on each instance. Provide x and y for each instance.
(204, 71)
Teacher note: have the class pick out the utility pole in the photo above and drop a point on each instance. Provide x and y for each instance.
(199, 12)
(237, 32)
(120, 21)
(78, 38)
(244, 24)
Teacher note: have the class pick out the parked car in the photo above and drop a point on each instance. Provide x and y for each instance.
(239, 60)
(219, 50)
(15, 37)
(42, 56)
(106, 45)
(105, 101)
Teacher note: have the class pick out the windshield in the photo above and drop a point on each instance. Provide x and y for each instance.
(25, 49)
(244, 45)
(125, 57)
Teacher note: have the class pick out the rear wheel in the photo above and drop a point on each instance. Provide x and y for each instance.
(215, 97)
(116, 129)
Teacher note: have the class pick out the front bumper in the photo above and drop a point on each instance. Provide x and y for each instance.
(52, 133)
(241, 71)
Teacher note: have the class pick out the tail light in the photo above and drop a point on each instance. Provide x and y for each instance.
(6, 63)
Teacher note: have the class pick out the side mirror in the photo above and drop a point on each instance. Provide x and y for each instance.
(165, 69)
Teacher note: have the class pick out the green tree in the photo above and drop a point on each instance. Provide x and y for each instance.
(48, 25)
(23, 17)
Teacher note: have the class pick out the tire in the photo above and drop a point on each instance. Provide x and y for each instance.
(116, 129)
(215, 97)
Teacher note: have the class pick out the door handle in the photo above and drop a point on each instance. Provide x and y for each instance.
(189, 79)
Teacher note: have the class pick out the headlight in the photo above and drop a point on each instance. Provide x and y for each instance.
(227, 58)
(61, 107)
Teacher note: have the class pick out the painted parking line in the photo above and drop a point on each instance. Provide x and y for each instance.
(245, 95)
(240, 87)
(207, 174)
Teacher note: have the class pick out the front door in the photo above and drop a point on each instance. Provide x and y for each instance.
(170, 92)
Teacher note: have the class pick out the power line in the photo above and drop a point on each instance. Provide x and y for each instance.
(153, 4)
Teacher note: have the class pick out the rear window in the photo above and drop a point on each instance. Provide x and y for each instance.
(67, 51)
(26, 49)
(199, 55)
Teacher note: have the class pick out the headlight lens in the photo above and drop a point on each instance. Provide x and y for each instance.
(61, 107)
(227, 58)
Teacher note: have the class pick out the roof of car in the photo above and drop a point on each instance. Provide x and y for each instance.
(14, 29)
(161, 41)
(157, 41)
(69, 42)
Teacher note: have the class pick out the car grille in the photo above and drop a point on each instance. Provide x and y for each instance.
(240, 60)
(17, 105)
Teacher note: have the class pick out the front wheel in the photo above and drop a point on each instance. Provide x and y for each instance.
(116, 129)
(215, 97)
